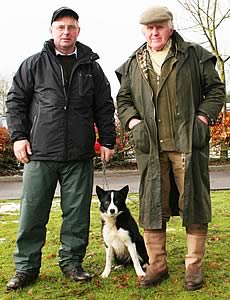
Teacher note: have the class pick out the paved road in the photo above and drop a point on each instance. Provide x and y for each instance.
(11, 188)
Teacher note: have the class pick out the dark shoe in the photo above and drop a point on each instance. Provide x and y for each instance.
(193, 278)
(153, 277)
(77, 274)
(20, 280)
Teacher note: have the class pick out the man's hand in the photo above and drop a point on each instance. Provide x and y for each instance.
(133, 122)
(106, 153)
(203, 119)
(21, 150)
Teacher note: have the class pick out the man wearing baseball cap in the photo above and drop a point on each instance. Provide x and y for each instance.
(169, 96)
(56, 97)
(62, 12)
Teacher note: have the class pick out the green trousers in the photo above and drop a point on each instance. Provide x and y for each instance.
(40, 179)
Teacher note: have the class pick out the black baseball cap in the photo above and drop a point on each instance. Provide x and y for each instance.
(62, 12)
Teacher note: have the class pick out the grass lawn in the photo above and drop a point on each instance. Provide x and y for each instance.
(121, 284)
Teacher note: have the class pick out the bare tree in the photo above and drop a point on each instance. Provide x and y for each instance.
(210, 16)
(4, 87)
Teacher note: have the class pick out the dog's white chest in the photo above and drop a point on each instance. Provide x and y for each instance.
(118, 239)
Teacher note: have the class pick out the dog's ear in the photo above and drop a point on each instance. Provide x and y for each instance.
(100, 192)
(125, 190)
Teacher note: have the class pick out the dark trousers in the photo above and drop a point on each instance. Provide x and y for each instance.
(40, 179)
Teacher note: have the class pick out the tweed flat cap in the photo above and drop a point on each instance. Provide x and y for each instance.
(155, 14)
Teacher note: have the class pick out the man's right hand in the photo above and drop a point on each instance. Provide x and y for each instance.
(133, 122)
(21, 150)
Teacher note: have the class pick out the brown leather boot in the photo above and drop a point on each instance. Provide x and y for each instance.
(193, 261)
(157, 271)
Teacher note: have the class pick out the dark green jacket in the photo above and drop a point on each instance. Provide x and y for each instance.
(198, 91)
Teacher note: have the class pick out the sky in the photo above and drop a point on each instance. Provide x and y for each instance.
(109, 27)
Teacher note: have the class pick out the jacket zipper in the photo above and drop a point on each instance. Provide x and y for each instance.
(63, 86)
(32, 130)
(65, 108)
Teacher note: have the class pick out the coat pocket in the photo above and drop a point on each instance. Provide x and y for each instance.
(139, 137)
(201, 134)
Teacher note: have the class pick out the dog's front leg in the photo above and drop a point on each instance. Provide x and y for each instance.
(134, 255)
(108, 264)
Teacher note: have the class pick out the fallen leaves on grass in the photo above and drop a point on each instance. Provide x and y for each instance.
(52, 255)
(121, 281)
(215, 238)
(30, 292)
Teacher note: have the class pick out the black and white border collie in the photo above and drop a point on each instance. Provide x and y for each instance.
(123, 241)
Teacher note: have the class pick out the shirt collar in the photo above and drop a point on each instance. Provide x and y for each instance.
(166, 47)
(59, 53)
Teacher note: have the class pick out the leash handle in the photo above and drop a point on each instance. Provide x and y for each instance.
(105, 182)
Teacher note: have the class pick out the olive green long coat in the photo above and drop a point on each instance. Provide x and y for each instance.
(198, 91)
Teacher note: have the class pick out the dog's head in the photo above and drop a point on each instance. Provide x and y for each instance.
(112, 202)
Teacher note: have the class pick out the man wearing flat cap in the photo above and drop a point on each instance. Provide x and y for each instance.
(170, 94)
(56, 97)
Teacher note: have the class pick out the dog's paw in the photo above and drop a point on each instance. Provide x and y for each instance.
(141, 274)
(105, 274)
(119, 267)
(140, 278)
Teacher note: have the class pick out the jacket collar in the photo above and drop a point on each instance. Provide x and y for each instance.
(83, 51)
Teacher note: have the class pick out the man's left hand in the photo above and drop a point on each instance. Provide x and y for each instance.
(203, 119)
(106, 153)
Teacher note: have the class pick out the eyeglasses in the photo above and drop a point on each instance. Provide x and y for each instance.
(62, 28)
